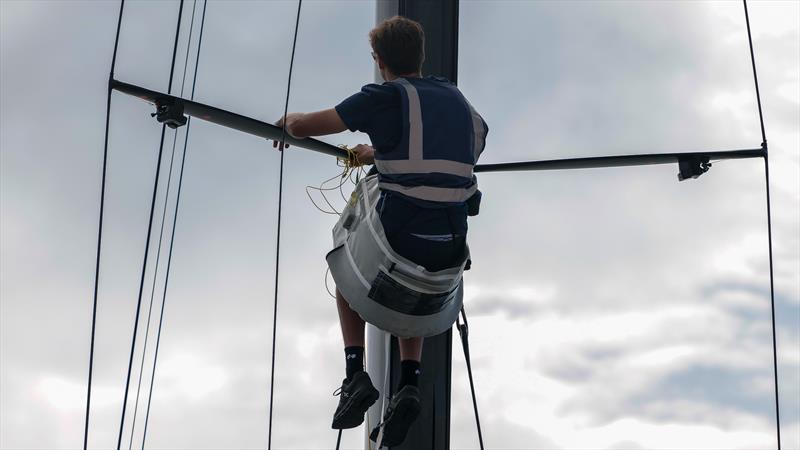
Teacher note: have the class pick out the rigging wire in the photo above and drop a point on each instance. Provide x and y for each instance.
(769, 226)
(278, 232)
(100, 230)
(161, 233)
(174, 224)
(149, 232)
(755, 75)
(463, 331)
(772, 304)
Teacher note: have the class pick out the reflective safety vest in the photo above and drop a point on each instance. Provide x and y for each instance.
(384, 288)
(442, 138)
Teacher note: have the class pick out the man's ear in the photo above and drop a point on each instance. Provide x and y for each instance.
(381, 65)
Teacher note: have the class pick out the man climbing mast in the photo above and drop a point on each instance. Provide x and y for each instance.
(400, 245)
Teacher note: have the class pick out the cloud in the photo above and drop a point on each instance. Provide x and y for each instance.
(608, 308)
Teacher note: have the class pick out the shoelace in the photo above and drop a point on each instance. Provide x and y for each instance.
(340, 391)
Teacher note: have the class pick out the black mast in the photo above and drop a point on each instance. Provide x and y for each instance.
(431, 431)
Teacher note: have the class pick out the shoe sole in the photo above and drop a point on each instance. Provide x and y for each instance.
(397, 424)
(353, 414)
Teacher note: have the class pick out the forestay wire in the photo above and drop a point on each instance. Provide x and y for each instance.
(769, 228)
(100, 231)
(278, 232)
(463, 331)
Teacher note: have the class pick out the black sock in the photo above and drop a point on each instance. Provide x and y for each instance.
(409, 373)
(354, 358)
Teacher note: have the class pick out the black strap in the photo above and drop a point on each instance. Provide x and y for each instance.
(463, 331)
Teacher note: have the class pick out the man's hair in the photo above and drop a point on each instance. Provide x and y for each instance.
(400, 43)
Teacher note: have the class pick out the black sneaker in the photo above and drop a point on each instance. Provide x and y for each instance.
(356, 396)
(402, 412)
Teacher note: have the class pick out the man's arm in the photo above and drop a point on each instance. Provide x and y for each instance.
(301, 125)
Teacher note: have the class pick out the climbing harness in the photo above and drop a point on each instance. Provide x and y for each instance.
(384, 288)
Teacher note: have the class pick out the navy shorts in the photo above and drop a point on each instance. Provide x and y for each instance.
(434, 238)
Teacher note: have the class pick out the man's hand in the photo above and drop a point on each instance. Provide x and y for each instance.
(303, 125)
(290, 120)
(364, 154)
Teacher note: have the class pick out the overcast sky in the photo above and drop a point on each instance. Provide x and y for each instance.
(609, 308)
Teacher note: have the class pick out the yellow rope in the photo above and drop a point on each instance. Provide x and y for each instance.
(352, 171)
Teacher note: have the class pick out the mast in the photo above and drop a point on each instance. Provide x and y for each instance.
(432, 429)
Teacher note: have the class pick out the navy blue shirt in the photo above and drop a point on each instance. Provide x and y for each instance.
(377, 111)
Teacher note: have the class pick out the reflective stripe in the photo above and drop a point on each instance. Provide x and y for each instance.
(436, 237)
(414, 121)
(416, 163)
(431, 193)
(402, 166)
(479, 130)
(355, 267)
(369, 212)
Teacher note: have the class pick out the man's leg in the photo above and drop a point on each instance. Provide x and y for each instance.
(357, 391)
(353, 334)
(405, 404)
(410, 356)
(410, 348)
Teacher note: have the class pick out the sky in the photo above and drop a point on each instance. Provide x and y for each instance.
(609, 308)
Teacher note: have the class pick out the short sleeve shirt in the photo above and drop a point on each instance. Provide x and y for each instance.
(375, 110)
